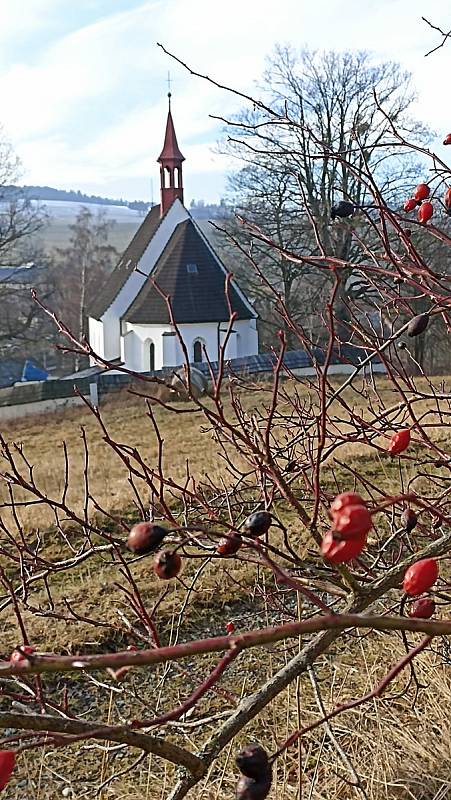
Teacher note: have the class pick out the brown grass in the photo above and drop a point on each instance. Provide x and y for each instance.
(398, 751)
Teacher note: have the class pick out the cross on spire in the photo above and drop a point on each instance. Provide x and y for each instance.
(169, 89)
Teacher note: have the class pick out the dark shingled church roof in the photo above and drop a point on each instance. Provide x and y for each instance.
(126, 264)
(188, 271)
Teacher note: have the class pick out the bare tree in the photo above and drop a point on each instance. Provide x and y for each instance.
(82, 267)
(322, 105)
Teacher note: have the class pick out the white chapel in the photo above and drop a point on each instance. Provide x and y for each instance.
(169, 255)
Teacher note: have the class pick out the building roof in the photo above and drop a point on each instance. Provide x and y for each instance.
(171, 150)
(24, 275)
(189, 272)
(126, 264)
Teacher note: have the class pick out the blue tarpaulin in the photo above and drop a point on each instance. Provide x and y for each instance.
(31, 372)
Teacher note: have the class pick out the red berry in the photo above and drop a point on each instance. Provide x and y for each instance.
(230, 627)
(229, 545)
(447, 198)
(258, 523)
(145, 537)
(343, 500)
(352, 522)
(425, 212)
(340, 550)
(410, 204)
(422, 608)
(399, 442)
(7, 764)
(447, 139)
(16, 656)
(420, 576)
(421, 192)
(167, 564)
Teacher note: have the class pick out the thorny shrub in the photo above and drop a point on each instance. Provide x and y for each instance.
(330, 550)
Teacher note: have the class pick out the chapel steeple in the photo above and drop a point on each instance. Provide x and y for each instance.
(170, 159)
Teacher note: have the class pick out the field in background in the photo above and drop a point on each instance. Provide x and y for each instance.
(402, 753)
(125, 222)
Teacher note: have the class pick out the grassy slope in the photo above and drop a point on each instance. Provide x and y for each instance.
(57, 234)
(400, 752)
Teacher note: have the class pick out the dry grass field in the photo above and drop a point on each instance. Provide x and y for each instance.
(398, 750)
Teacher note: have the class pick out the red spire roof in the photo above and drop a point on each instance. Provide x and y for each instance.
(170, 151)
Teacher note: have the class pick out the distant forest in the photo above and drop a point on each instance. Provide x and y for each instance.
(48, 193)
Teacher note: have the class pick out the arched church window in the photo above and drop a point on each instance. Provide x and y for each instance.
(149, 356)
(197, 351)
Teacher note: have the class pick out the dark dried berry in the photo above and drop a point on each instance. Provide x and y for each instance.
(145, 538)
(252, 761)
(342, 209)
(167, 564)
(402, 345)
(250, 789)
(258, 523)
(424, 608)
(418, 325)
(229, 545)
(409, 519)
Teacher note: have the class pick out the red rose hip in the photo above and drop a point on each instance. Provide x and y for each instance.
(345, 499)
(399, 442)
(421, 192)
(7, 764)
(352, 522)
(338, 550)
(425, 212)
(410, 204)
(420, 577)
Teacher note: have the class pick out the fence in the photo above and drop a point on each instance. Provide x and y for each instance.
(43, 396)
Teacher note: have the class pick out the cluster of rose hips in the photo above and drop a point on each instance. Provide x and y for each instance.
(419, 578)
(256, 774)
(146, 537)
(419, 198)
(351, 520)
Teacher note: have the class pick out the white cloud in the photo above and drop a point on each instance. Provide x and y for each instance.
(91, 108)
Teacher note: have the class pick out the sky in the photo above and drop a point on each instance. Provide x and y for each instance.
(83, 85)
